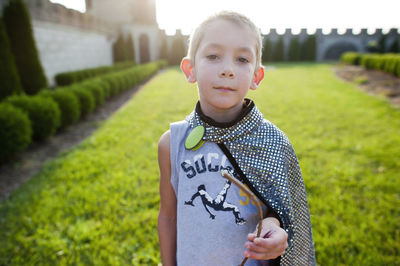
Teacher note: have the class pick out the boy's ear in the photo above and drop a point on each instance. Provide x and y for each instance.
(187, 68)
(258, 77)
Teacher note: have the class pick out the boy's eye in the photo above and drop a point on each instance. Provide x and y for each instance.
(243, 60)
(212, 56)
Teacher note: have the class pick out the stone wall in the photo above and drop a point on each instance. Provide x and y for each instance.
(65, 48)
(69, 40)
(44, 10)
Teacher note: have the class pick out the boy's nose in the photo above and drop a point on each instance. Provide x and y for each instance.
(227, 73)
(227, 70)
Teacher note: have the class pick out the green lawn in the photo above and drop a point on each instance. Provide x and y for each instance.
(97, 204)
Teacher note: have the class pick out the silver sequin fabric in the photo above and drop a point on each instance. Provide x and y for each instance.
(267, 159)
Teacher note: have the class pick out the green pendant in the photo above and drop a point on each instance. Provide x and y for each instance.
(195, 138)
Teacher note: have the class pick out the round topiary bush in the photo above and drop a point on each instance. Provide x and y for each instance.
(351, 58)
(43, 112)
(86, 99)
(397, 68)
(15, 131)
(124, 81)
(68, 104)
(105, 87)
(64, 79)
(112, 83)
(96, 89)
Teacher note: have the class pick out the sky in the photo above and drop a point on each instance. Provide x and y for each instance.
(279, 14)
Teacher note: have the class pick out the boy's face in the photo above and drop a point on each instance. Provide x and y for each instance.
(225, 66)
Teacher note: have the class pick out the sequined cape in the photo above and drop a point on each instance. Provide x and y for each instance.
(266, 162)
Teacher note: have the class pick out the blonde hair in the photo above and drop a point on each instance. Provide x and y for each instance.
(239, 19)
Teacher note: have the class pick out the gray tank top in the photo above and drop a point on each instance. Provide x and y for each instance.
(213, 215)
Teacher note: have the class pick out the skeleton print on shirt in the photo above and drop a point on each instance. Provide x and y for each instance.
(218, 203)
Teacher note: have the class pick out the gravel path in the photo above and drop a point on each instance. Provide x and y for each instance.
(374, 82)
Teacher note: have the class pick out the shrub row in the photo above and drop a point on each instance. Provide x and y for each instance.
(68, 78)
(389, 63)
(32, 118)
(352, 58)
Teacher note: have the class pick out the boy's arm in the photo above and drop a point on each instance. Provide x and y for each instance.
(167, 214)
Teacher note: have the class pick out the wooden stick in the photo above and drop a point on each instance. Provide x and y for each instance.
(253, 197)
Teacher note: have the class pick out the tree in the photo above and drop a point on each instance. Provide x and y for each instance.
(267, 54)
(19, 30)
(309, 49)
(130, 49)
(373, 47)
(9, 79)
(382, 44)
(279, 51)
(119, 49)
(178, 50)
(163, 47)
(294, 49)
(394, 47)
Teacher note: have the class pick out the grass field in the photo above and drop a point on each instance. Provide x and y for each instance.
(97, 204)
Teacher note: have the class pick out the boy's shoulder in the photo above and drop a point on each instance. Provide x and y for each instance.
(179, 127)
(273, 137)
(183, 122)
(271, 130)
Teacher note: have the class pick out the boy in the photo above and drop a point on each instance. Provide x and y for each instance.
(204, 219)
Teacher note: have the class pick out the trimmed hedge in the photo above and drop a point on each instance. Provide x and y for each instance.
(68, 78)
(101, 88)
(15, 131)
(43, 113)
(68, 104)
(86, 99)
(352, 58)
(162, 63)
(63, 106)
(97, 89)
(389, 63)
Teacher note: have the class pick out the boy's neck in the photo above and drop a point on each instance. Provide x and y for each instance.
(223, 116)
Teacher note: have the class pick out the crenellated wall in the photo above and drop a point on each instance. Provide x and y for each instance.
(44, 10)
(69, 40)
(331, 45)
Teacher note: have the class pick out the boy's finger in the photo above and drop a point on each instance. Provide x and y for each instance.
(250, 246)
(266, 242)
(251, 237)
(261, 256)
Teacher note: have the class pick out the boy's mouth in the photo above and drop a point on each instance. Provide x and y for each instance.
(224, 88)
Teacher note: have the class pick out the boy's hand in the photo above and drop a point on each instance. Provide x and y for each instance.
(271, 244)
